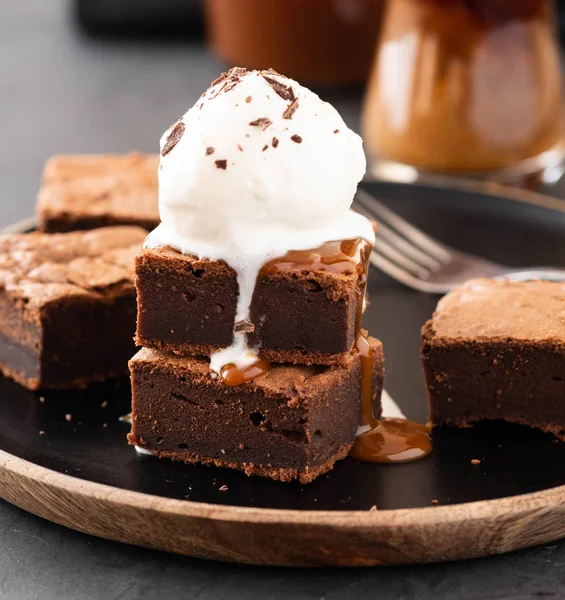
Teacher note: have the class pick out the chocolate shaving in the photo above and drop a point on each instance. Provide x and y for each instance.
(263, 122)
(284, 91)
(244, 327)
(232, 85)
(265, 147)
(224, 488)
(219, 79)
(296, 138)
(174, 138)
(230, 79)
(209, 150)
(336, 131)
(240, 148)
(221, 164)
(237, 72)
(219, 91)
(290, 109)
(248, 99)
(275, 142)
(273, 72)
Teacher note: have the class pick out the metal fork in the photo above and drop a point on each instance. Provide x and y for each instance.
(421, 262)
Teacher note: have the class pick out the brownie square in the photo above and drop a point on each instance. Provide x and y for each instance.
(88, 191)
(496, 350)
(292, 423)
(67, 306)
(302, 315)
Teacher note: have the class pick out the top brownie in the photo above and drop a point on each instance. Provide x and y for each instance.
(301, 313)
(88, 191)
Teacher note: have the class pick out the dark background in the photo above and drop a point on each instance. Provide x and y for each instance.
(62, 92)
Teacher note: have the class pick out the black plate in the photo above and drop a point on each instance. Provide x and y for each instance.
(514, 460)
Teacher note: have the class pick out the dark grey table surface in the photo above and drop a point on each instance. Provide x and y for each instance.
(62, 93)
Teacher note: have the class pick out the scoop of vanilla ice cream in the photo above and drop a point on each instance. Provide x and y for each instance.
(259, 158)
(257, 167)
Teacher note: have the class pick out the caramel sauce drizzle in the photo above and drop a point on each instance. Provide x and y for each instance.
(381, 440)
(333, 257)
(384, 440)
(233, 375)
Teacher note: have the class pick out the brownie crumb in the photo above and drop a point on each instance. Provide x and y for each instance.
(290, 109)
(336, 131)
(209, 150)
(248, 99)
(265, 147)
(174, 138)
(284, 91)
(222, 164)
(241, 446)
(475, 461)
(262, 122)
(224, 488)
(244, 326)
(69, 417)
(104, 404)
(296, 138)
(275, 142)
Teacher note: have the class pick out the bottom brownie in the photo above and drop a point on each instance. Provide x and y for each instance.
(292, 423)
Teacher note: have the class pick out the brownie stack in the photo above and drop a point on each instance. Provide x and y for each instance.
(292, 422)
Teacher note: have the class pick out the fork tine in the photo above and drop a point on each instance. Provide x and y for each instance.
(398, 242)
(389, 252)
(382, 213)
(399, 274)
(406, 248)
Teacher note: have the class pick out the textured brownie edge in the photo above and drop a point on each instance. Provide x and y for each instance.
(278, 474)
(274, 355)
(65, 223)
(441, 398)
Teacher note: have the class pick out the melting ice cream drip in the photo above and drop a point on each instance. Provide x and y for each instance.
(259, 166)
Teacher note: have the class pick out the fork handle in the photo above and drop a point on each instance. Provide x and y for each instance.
(546, 273)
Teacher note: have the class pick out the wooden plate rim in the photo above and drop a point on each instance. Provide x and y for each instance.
(476, 511)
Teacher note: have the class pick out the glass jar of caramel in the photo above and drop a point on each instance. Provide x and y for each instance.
(466, 87)
(314, 41)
